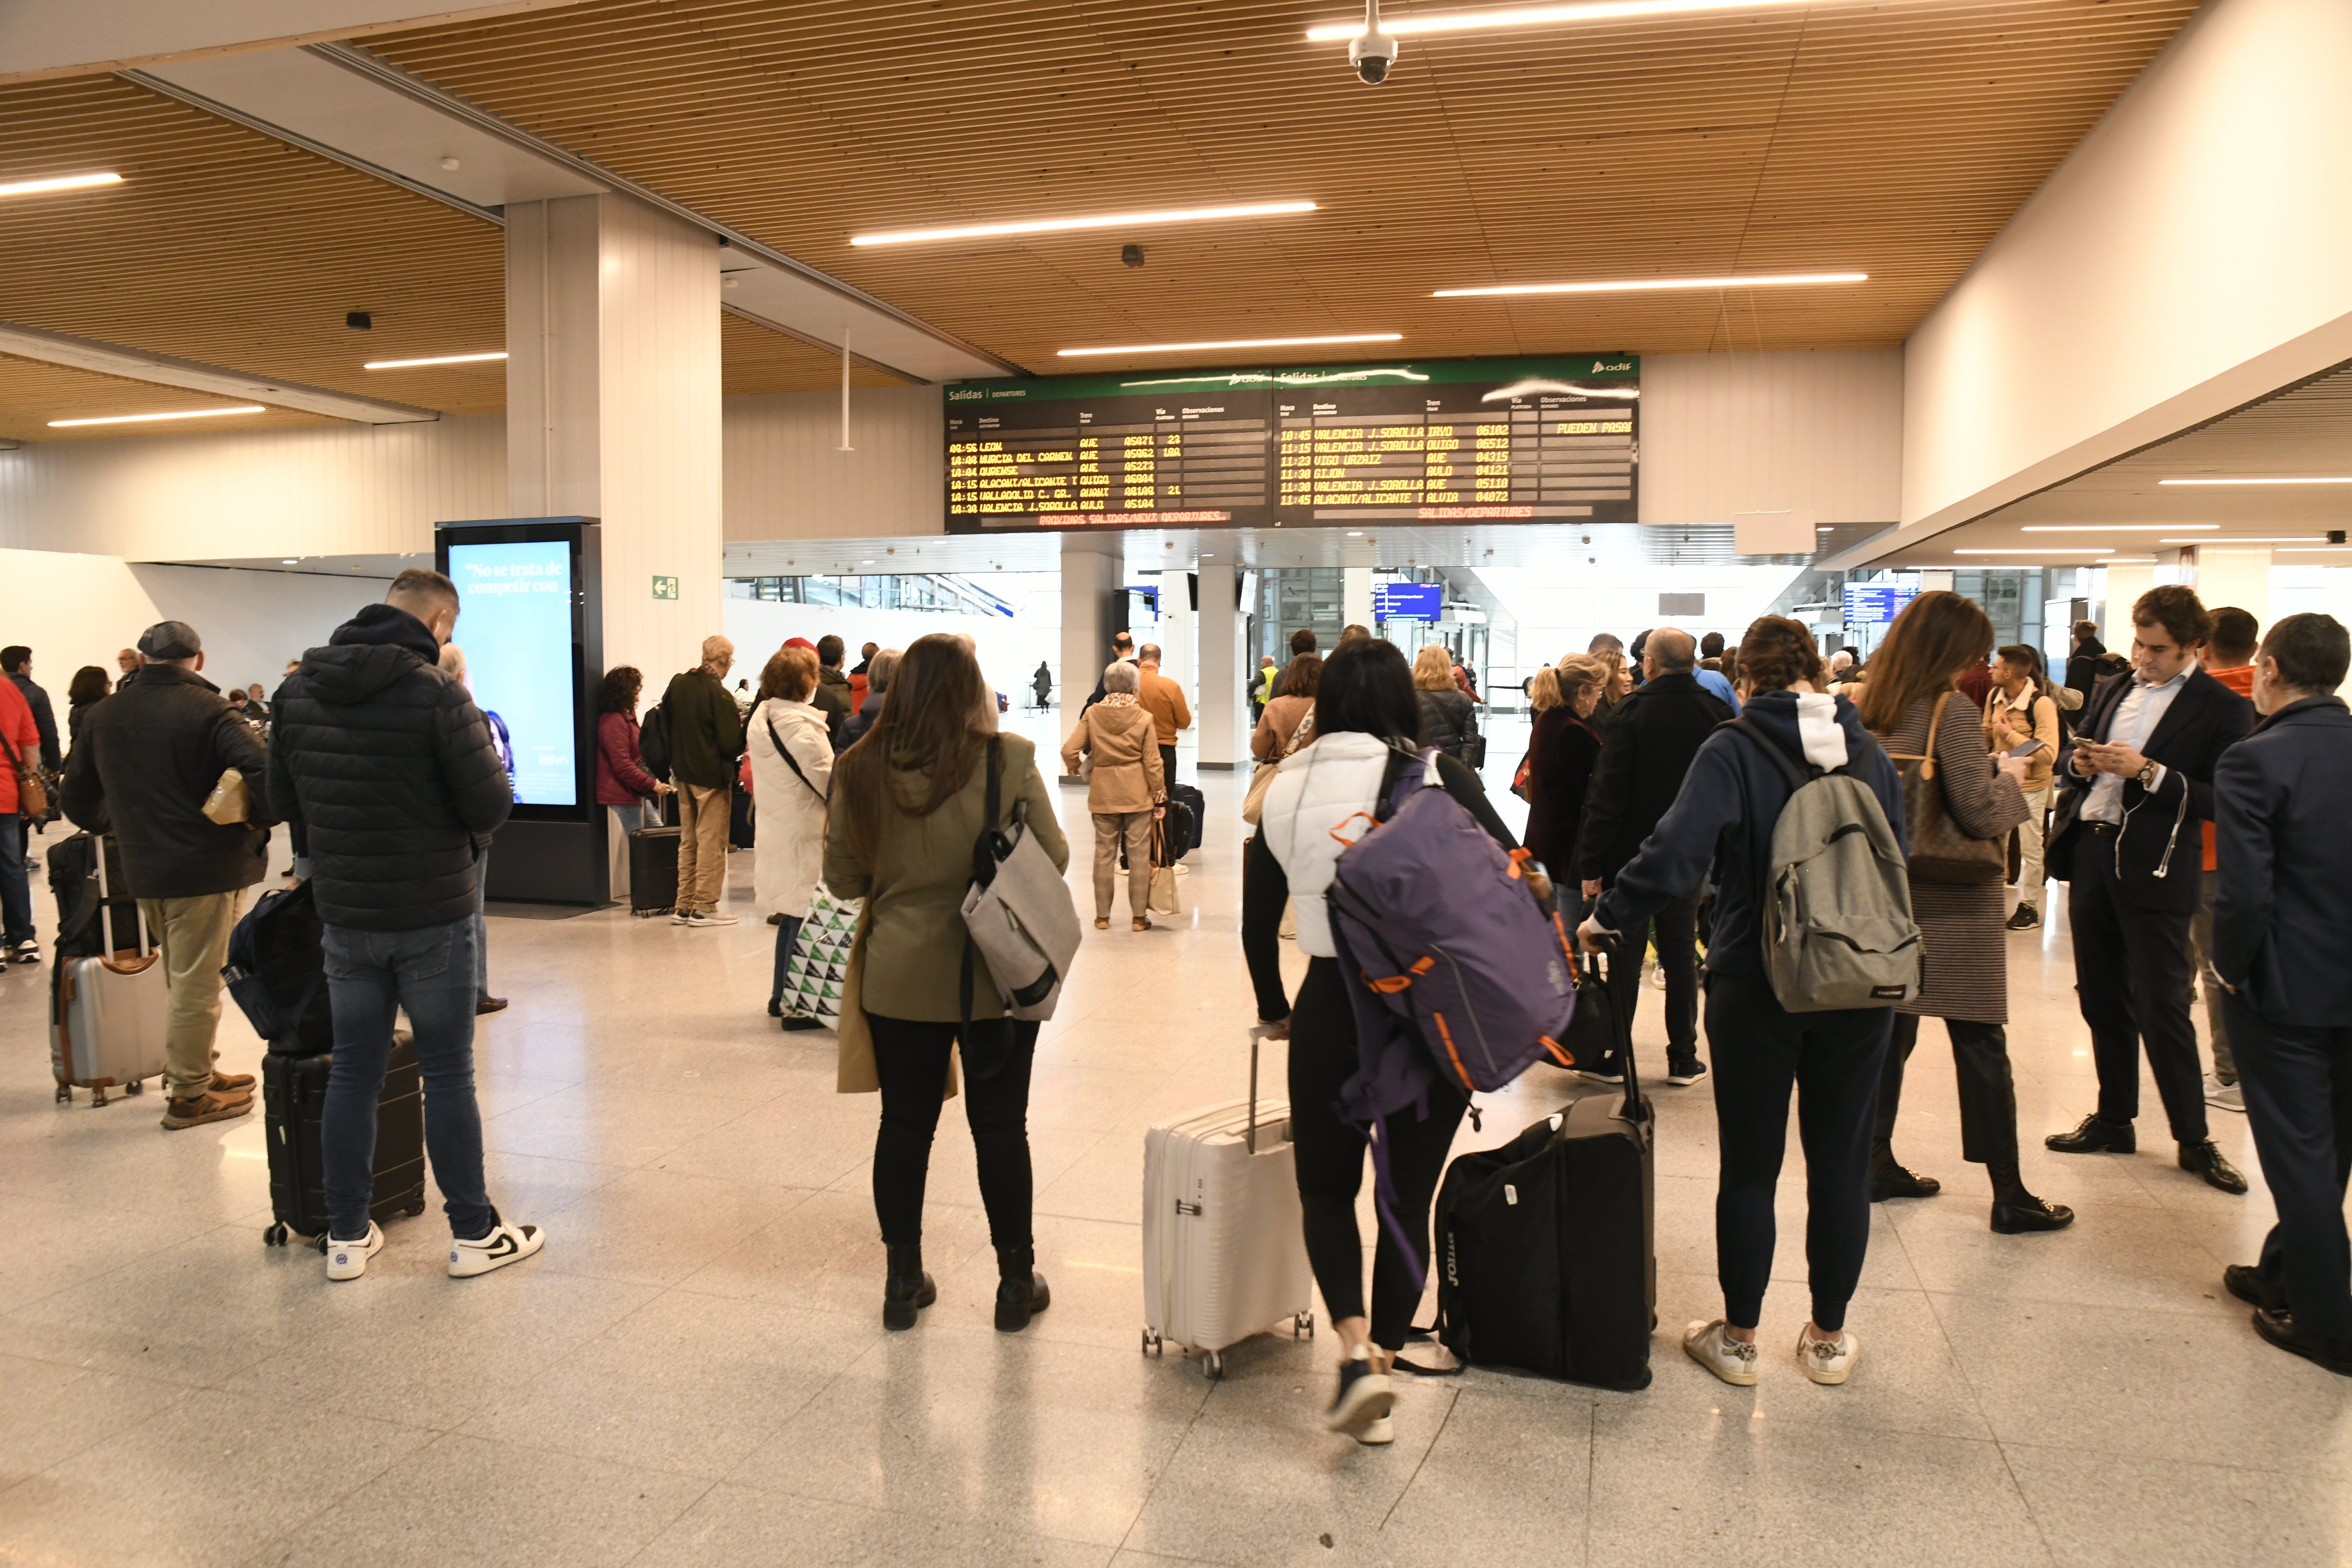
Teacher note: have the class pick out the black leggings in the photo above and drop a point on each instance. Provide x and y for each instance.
(910, 1058)
(1831, 1060)
(1331, 1153)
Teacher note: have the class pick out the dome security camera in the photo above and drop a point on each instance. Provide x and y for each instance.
(1371, 52)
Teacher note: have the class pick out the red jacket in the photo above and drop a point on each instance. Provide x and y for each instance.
(620, 778)
(16, 724)
(2239, 678)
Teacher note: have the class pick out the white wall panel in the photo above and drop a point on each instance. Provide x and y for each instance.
(1771, 432)
(786, 480)
(342, 491)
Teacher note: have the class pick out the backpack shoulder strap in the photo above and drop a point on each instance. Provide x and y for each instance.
(1799, 775)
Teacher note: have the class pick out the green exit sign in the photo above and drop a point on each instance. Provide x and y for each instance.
(665, 587)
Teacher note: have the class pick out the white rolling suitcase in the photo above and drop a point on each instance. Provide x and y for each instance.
(108, 1011)
(1223, 1254)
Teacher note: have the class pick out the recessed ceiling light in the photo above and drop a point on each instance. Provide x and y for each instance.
(1234, 343)
(2114, 527)
(2341, 479)
(145, 419)
(1647, 285)
(290, 561)
(437, 359)
(62, 183)
(1355, 533)
(2078, 549)
(1101, 220)
(1536, 16)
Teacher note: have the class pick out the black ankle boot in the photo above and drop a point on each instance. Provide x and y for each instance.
(1020, 1293)
(909, 1289)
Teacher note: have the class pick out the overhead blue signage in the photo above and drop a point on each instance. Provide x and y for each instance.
(1408, 601)
(1870, 604)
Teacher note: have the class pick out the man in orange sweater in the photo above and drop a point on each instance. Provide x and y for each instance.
(1164, 700)
(2230, 659)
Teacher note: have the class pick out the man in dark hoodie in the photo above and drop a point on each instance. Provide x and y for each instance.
(832, 695)
(386, 773)
(1730, 803)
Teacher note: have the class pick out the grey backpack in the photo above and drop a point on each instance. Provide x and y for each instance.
(1836, 900)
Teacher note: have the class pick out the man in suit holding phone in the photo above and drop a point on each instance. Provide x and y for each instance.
(2133, 792)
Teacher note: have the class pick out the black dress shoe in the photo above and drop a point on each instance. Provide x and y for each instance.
(2247, 1284)
(2028, 1214)
(2094, 1137)
(2279, 1329)
(2207, 1160)
(1892, 1181)
(1018, 1300)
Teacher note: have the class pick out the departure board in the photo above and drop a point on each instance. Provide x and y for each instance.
(1529, 440)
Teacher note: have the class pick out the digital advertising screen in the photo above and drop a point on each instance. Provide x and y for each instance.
(515, 623)
(1527, 440)
(1408, 601)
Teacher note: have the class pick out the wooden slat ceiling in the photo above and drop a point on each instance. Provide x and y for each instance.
(32, 393)
(1893, 138)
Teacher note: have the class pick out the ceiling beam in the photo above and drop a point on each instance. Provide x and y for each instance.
(163, 370)
(42, 38)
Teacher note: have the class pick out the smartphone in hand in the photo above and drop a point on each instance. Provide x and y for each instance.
(2027, 750)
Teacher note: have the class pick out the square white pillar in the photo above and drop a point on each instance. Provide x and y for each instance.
(1091, 566)
(2125, 585)
(2237, 575)
(1355, 597)
(1223, 710)
(613, 412)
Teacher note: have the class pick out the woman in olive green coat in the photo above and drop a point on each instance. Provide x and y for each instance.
(908, 803)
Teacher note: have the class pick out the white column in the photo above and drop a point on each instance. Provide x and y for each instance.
(2125, 585)
(1355, 597)
(1091, 565)
(612, 411)
(2238, 574)
(1222, 711)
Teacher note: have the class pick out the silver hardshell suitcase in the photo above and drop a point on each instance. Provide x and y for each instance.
(1225, 1255)
(110, 1010)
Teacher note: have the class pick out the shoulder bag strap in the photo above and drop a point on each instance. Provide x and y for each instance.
(1299, 736)
(984, 871)
(824, 797)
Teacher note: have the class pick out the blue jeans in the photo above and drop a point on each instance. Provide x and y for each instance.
(481, 928)
(430, 972)
(788, 931)
(15, 892)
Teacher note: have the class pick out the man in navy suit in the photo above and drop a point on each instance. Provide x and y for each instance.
(2284, 903)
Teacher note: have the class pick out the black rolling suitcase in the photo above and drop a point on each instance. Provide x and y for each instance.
(652, 870)
(1546, 1255)
(1197, 804)
(1175, 835)
(741, 818)
(293, 1096)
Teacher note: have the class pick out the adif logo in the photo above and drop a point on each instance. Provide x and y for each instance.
(1601, 366)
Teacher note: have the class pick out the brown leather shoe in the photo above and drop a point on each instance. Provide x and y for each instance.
(1142, 923)
(205, 1106)
(233, 1083)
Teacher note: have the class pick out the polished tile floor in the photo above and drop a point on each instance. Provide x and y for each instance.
(695, 1372)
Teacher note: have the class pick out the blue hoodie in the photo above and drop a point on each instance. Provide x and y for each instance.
(1730, 803)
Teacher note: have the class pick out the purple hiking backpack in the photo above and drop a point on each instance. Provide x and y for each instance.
(1460, 972)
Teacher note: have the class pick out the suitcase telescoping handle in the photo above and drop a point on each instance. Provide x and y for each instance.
(1612, 951)
(1249, 1139)
(106, 924)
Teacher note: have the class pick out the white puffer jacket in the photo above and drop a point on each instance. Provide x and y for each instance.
(1330, 786)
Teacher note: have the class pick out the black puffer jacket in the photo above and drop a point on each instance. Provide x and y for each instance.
(386, 771)
(146, 759)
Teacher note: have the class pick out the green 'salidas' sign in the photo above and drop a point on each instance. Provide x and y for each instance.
(1572, 371)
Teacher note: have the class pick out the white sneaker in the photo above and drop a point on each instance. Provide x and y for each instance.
(1828, 1361)
(506, 1244)
(1379, 1434)
(1733, 1361)
(1658, 978)
(348, 1259)
(2224, 1096)
(681, 916)
(713, 918)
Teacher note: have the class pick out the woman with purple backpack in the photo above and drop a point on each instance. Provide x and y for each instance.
(1367, 723)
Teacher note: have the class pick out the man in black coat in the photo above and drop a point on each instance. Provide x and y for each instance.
(147, 760)
(386, 773)
(1645, 751)
(2083, 671)
(2280, 912)
(2132, 790)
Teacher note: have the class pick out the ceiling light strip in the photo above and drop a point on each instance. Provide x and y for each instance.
(1232, 343)
(438, 358)
(149, 418)
(2329, 479)
(1540, 17)
(1099, 220)
(60, 183)
(2113, 527)
(1654, 285)
(2053, 549)
(2274, 538)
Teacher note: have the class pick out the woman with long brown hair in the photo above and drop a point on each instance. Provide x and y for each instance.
(1910, 705)
(910, 802)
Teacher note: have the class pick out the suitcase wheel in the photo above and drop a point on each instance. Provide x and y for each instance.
(275, 1236)
(1212, 1365)
(65, 1095)
(136, 1086)
(1153, 1344)
(98, 1096)
(1305, 1323)
(414, 1208)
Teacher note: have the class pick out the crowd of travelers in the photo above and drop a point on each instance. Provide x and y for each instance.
(2183, 791)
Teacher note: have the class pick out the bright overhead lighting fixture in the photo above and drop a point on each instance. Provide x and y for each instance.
(146, 418)
(1651, 285)
(1102, 220)
(1234, 343)
(2079, 550)
(2329, 479)
(437, 359)
(1537, 16)
(2280, 539)
(62, 183)
(2113, 527)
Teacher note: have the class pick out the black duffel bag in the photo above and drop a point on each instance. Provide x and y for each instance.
(277, 970)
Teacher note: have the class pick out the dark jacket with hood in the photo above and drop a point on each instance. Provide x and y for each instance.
(1730, 803)
(147, 758)
(45, 719)
(1646, 752)
(834, 699)
(386, 771)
